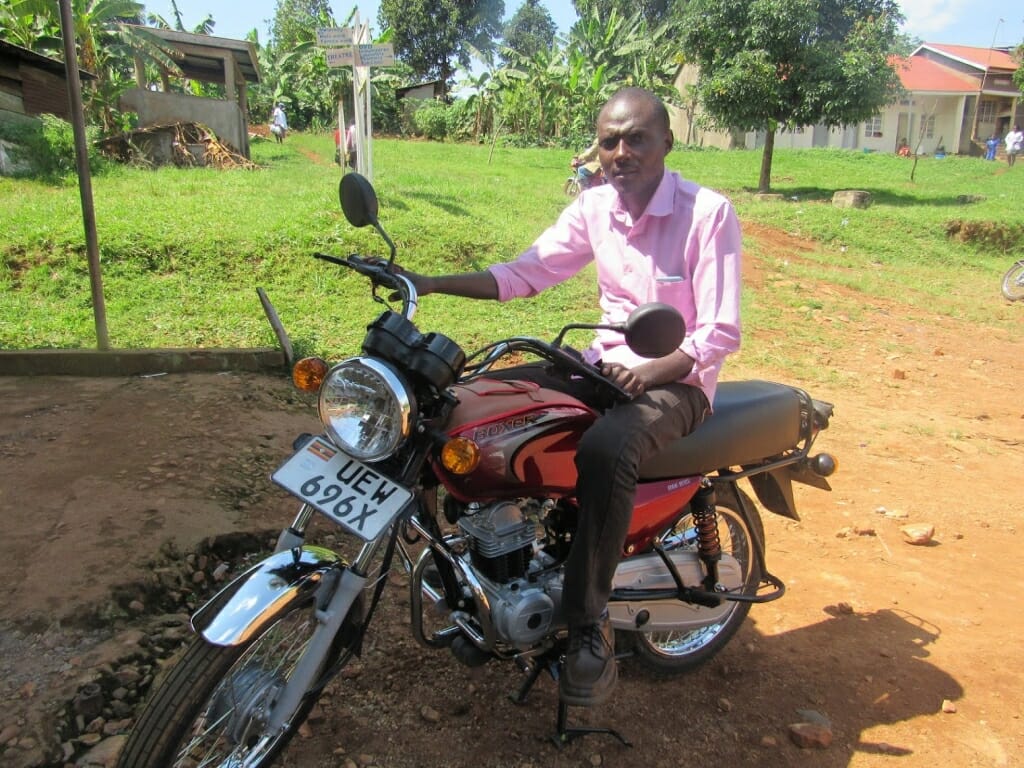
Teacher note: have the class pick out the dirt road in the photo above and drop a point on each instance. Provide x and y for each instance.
(874, 633)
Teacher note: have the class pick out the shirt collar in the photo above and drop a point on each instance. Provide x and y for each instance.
(661, 203)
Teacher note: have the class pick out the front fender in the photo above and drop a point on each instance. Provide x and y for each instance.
(246, 605)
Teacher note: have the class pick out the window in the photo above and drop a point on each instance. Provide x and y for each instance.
(928, 126)
(873, 127)
(987, 111)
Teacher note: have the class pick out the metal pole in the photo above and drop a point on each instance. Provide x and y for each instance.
(984, 76)
(99, 310)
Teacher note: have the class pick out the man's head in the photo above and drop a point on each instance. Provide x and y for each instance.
(634, 137)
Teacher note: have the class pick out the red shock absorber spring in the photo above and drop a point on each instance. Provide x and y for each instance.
(705, 520)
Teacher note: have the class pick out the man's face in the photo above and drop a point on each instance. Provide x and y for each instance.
(633, 142)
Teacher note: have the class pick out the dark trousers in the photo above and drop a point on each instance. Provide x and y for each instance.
(608, 460)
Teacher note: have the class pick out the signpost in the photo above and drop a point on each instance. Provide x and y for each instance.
(351, 47)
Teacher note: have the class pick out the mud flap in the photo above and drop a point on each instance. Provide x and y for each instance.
(774, 490)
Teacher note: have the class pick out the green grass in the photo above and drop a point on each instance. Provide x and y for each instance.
(183, 251)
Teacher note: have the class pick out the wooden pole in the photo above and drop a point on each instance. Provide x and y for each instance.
(99, 309)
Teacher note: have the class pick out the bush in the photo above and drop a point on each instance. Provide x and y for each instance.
(47, 146)
(431, 120)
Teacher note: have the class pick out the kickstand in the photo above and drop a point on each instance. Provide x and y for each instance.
(566, 734)
(533, 669)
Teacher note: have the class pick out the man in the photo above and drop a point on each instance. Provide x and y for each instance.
(278, 123)
(1014, 145)
(654, 237)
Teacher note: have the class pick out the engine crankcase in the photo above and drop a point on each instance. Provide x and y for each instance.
(522, 613)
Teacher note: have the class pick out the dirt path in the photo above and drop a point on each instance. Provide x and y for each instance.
(875, 634)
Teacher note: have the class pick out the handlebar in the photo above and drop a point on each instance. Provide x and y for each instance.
(380, 274)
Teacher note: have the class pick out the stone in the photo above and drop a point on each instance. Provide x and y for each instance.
(918, 534)
(851, 198)
(810, 735)
(104, 754)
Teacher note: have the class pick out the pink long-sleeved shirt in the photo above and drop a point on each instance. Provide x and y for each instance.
(684, 250)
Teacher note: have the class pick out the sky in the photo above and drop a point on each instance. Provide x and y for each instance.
(954, 22)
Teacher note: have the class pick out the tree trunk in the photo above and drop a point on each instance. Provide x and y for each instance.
(764, 184)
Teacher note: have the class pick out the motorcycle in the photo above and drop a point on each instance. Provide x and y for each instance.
(432, 462)
(1013, 282)
(580, 179)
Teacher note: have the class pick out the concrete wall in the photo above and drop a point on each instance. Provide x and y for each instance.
(223, 117)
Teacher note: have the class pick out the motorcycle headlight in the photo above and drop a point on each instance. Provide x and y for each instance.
(366, 408)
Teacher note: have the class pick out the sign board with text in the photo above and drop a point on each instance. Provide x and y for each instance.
(335, 36)
(340, 57)
(375, 55)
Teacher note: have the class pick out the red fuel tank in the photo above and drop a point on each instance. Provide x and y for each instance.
(527, 437)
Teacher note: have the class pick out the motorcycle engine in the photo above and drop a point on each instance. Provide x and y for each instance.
(501, 544)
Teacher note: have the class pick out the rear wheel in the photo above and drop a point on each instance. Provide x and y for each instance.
(670, 653)
(1013, 282)
(212, 708)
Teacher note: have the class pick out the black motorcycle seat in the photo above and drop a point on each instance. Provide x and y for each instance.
(750, 421)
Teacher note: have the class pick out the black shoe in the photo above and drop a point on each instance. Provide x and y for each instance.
(589, 673)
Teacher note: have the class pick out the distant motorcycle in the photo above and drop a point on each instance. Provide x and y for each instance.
(433, 463)
(581, 179)
(1013, 282)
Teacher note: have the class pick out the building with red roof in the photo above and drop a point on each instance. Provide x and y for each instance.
(956, 97)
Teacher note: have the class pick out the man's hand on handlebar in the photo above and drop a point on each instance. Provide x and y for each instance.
(624, 378)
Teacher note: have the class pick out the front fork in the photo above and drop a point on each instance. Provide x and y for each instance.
(329, 617)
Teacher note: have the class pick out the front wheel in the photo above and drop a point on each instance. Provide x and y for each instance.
(212, 708)
(671, 652)
(572, 186)
(1013, 282)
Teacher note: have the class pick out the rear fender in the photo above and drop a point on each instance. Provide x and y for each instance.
(774, 488)
(244, 607)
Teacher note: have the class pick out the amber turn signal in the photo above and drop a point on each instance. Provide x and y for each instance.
(460, 456)
(309, 373)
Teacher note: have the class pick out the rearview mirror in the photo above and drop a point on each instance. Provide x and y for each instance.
(655, 330)
(358, 200)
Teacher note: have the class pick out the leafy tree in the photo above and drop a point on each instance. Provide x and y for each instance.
(1018, 76)
(654, 12)
(296, 21)
(428, 34)
(530, 30)
(767, 64)
(205, 27)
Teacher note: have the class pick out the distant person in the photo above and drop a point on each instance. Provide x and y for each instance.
(350, 145)
(588, 166)
(903, 150)
(1014, 144)
(278, 123)
(992, 146)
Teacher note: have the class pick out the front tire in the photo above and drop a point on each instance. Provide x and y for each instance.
(572, 186)
(210, 710)
(671, 653)
(1013, 282)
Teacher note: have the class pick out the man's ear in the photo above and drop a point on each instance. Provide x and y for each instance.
(670, 141)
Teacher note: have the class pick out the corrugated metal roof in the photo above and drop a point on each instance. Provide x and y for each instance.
(202, 54)
(43, 62)
(924, 70)
(979, 58)
(920, 74)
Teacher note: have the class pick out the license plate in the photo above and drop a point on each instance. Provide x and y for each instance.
(352, 494)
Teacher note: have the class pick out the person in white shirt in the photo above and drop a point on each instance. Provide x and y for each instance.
(1014, 144)
(278, 123)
